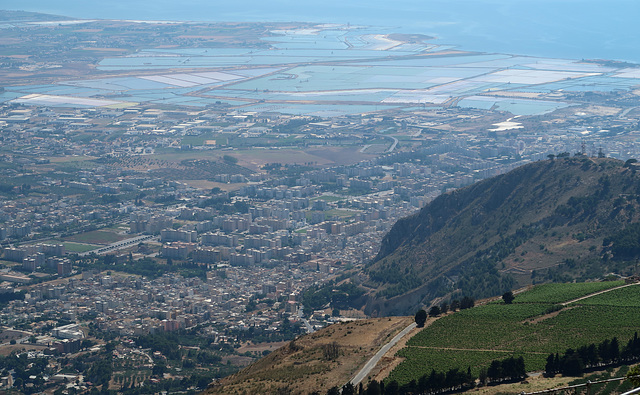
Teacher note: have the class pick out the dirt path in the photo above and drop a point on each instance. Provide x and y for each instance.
(597, 293)
(475, 349)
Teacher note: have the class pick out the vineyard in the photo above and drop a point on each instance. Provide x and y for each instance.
(559, 293)
(441, 360)
(623, 297)
(532, 327)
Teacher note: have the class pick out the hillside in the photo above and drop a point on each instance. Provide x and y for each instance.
(548, 319)
(549, 221)
(542, 320)
(314, 362)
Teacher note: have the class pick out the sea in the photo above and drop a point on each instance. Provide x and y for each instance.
(569, 29)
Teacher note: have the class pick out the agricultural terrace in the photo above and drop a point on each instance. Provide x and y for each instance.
(535, 325)
(560, 293)
(622, 297)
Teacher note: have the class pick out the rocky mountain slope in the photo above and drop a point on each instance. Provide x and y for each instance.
(554, 220)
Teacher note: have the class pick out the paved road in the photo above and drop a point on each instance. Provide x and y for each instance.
(306, 323)
(364, 372)
(393, 146)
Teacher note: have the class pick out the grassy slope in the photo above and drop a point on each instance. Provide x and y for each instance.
(476, 336)
(301, 367)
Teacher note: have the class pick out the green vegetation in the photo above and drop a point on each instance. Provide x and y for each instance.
(614, 387)
(96, 237)
(147, 267)
(622, 297)
(570, 219)
(530, 327)
(441, 360)
(339, 213)
(626, 243)
(78, 247)
(559, 293)
(421, 318)
(608, 352)
(196, 358)
(339, 297)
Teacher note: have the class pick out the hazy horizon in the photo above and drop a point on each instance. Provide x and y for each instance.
(573, 29)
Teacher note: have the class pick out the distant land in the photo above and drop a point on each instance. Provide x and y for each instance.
(320, 70)
(567, 29)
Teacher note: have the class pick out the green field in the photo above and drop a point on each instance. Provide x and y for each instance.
(559, 293)
(340, 213)
(78, 247)
(623, 297)
(530, 327)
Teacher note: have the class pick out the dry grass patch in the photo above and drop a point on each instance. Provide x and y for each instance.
(315, 362)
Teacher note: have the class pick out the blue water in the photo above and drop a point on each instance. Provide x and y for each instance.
(573, 29)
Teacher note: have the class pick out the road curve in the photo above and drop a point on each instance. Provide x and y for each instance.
(364, 372)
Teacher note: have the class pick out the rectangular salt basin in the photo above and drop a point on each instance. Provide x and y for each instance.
(63, 101)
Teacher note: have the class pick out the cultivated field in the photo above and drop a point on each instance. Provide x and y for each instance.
(535, 325)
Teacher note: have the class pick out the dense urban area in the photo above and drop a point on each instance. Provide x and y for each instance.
(156, 248)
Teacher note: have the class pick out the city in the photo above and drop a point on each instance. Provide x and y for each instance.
(205, 226)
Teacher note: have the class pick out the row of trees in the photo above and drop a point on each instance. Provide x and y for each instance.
(509, 369)
(574, 362)
(434, 311)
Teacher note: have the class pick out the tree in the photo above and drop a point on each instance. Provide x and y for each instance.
(573, 366)
(348, 389)
(391, 389)
(331, 351)
(230, 159)
(550, 368)
(159, 369)
(614, 349)
(633, 375)
(494, 373)
(483, 376)
(374, 388)
(467, 303)
(434, 311)
(508, 297)
(421, 318)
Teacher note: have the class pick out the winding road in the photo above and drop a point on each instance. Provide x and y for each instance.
(364, 372)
